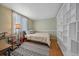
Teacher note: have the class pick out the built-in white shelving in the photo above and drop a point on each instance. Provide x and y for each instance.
(68, 28)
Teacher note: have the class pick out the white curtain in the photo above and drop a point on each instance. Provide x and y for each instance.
(24, 24)
(18, 19)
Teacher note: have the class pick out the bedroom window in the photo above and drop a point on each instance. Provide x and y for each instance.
(18, 19)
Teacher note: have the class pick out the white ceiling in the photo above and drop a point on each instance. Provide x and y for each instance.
(35, 11)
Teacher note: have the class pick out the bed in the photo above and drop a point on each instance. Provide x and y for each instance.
(40, 37)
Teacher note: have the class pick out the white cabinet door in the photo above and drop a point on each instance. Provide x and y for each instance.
(77, 11)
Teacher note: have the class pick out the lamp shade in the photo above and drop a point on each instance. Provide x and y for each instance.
(18, 26)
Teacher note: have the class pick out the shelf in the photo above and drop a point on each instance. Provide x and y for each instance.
(77, 26)
(65, 39)
(72, 31)
(77, 36)
(74, 46)
(72, 6)
(77, 11)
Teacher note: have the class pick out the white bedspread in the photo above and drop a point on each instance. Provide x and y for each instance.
(41, 37)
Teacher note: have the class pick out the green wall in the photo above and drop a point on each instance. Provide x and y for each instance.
(48, 25)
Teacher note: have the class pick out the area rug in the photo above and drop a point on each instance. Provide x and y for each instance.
(31, 49)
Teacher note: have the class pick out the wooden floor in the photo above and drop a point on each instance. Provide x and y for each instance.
(54, 48)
